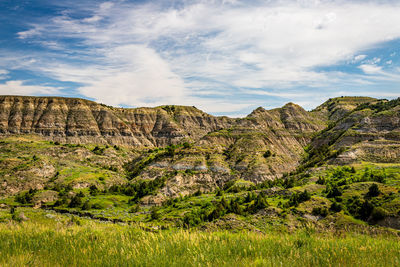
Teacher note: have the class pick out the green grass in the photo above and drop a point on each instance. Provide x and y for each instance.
(94, 244)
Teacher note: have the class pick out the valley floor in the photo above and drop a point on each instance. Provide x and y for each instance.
(51, 239)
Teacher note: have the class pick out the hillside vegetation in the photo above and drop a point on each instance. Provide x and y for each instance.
(281, 168)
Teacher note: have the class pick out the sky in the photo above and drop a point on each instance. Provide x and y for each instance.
(226, 57)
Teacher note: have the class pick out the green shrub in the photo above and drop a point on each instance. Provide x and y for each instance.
(297, 198)
(267, 154)
(379, 213)
(154, 213)
(321, 180)
(197, 193)
(336, 207)
(186, 145)
(373, 191)
(94, 191)
(26, 197)
(86, 205)
(134, 209)
(333, 191)
(218, 192)
(97, 150)
(76, 202)
(320, 211)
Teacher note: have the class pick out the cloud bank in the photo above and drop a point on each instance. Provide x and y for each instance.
(215, 54)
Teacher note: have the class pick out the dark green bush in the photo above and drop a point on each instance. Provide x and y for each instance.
(336, 207)
(26, 197)
(76, 202)
(320, 211)
(379, 213)
(373, 191)
(155, 213)
(267, 154)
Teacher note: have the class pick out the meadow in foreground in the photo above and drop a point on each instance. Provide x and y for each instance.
(39, 243)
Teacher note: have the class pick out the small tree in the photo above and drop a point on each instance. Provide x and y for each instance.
(76, 201)
(93, 190)
(86, 205)
(336, 207)
(218, 192)
(373, 191)
(154, 214)
(134, 209)
(267, 154)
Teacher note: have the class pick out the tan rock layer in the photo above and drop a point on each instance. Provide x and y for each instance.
(75, 120)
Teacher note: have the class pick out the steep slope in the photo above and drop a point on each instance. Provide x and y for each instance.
(205, 171)
(370, 132)
(263, 146)
(336, 108)
(74, 120)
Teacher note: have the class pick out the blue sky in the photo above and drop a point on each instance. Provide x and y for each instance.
(224, 57)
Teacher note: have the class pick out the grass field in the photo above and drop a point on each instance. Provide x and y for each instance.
(37, 243)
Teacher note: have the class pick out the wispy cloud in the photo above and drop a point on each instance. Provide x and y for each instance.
(185, 51)
(19, 88)
(3, 74)
(371, 69)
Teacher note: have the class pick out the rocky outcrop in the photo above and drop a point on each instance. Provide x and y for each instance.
(223, 148)
(370, 132)
(262, 146)
(72, 120)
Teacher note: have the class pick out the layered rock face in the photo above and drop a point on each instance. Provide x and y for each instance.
(73, 120)
(262, 146)
(369, 132)
(81, 121)
(223, 148)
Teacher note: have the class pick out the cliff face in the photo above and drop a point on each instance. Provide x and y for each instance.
(82, 121)
(370, 132)
(262, 146)
(222, 148)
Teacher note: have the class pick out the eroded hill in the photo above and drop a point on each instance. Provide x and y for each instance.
(336, 165)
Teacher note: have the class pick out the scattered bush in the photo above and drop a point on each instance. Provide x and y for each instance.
(134, 209)
(98, 151)
(333, 191)
(379, 213)
(336, 207)
(297, 198)
(86, 205)
(321, 180)
(26, 197)
(320, 211)
(154, 213)
(94, 191)
(76, 202)
(373, 191)
(267, 154)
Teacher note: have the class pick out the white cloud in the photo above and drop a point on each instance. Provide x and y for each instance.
(359, 58)
(29, 33)
(135, 75)
(152, 53)
(370, 68)
(3, 74)
(19, 88)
